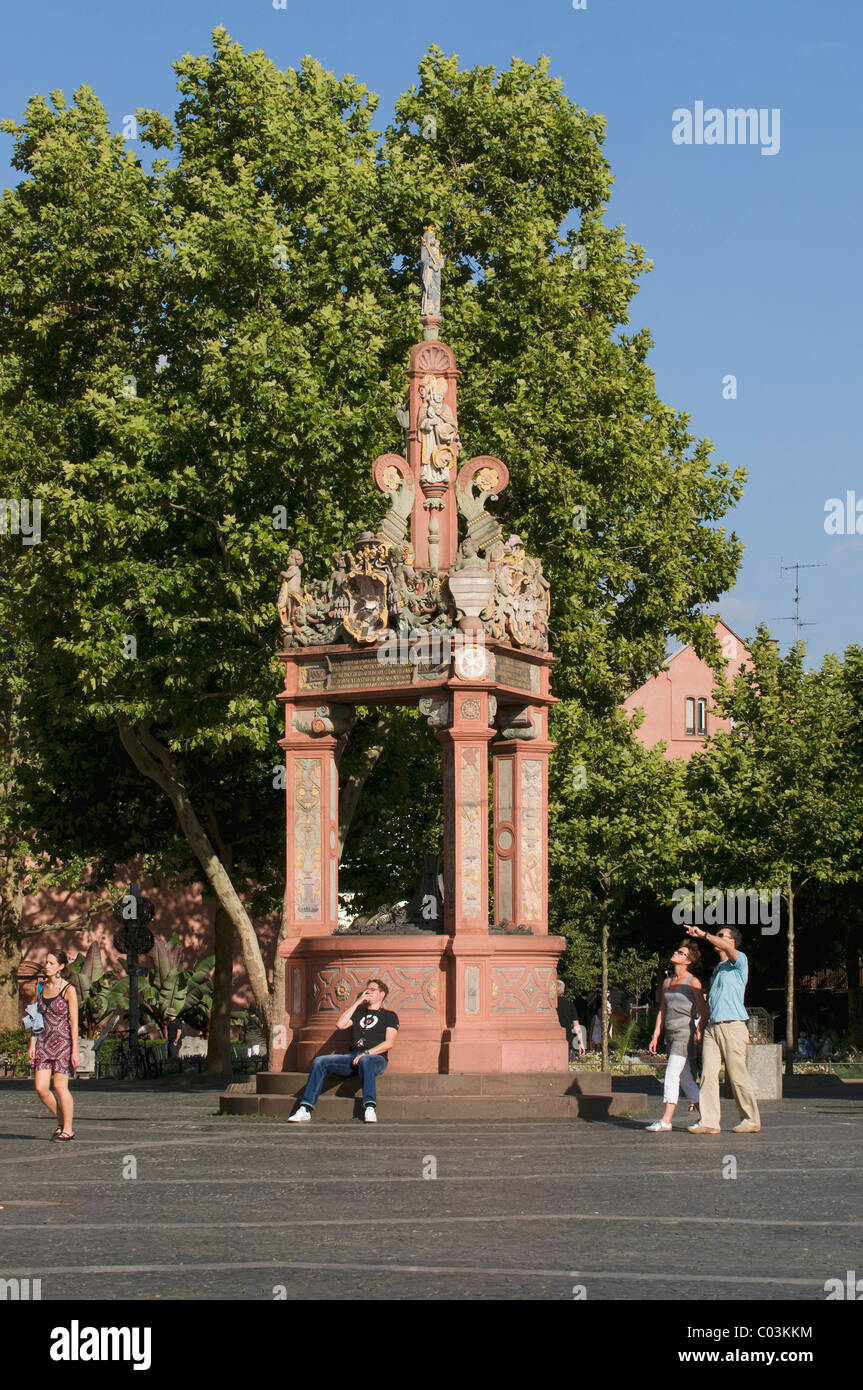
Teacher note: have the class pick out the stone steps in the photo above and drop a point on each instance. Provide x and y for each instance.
(416, 1096)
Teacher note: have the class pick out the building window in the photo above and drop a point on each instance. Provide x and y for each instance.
(701, 717)
(696, 717)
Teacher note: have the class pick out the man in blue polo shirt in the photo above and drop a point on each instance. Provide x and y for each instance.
(726, 1036)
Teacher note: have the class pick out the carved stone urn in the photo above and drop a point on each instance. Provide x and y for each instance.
(471, 588)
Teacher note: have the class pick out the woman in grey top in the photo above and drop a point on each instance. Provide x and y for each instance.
(682, 999)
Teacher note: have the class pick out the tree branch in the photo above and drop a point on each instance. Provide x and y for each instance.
(154, 761)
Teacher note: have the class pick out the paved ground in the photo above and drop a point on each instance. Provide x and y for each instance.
(233, 1208)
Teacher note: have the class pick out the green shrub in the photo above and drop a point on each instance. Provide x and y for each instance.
(625, 1040)
(15, 1049)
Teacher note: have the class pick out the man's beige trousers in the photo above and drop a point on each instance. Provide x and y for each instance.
(726, 1042)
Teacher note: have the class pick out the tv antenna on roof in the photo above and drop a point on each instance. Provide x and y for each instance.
(797, 567)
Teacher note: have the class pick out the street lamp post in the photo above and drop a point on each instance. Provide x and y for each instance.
(133, 938)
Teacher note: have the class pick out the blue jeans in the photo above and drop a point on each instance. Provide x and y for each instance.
(369, 1068)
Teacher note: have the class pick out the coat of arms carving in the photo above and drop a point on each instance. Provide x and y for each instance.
(367, 590)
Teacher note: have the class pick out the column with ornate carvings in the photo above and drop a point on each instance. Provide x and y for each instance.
(313, 741)
(520, 827)
(312, 744)
(466, 1044)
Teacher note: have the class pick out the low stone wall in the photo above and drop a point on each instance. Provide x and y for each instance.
(764, 1061)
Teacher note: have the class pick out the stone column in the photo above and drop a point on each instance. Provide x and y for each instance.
(520, 833)
(312, 745)
(465, 792)
(467, 1045)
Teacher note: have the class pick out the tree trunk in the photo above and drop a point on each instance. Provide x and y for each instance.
(11, 906)
(603, 1009)
(12, 864)
(852, 972)
(219, 1034)
(790, 1035)
(351, 789)
(277, 1039)
(154, 761)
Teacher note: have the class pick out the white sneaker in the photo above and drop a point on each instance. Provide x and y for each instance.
(371, 1115)
(657, 1126)
(300, 1117)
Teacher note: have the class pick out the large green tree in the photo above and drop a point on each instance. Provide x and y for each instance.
(201, 361)
(776, 803)
(613, 827)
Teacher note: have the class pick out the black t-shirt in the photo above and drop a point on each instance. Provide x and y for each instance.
(173, 1031)
(567, 1015)
(369, 1027)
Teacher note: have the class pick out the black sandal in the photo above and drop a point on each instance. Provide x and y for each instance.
(63, 1138)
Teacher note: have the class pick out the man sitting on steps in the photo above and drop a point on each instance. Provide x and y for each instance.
(373, 1032)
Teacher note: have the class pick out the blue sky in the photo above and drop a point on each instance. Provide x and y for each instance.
(755, 255)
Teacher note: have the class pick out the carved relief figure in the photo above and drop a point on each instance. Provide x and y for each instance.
(336, 585)
(432, 261)
(438, 431)
(403, 416)
(291, 591)
(467, 556)
(495, 615)
(405, 578)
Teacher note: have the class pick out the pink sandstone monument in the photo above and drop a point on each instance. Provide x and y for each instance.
(411, 615)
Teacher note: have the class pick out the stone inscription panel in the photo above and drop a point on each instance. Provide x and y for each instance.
(367, 673)
(521, 675)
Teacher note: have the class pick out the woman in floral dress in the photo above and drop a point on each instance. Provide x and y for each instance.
(54, 1052)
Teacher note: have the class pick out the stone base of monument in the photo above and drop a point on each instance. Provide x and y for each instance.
(764, 1061)
(435, 1096)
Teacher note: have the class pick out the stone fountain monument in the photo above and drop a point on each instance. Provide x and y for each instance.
(410, 614)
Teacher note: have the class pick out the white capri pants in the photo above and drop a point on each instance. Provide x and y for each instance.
(678, 1073)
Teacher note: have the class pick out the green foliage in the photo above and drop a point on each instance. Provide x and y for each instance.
(273, 267)
(170, 986)
(632, 972)
(99, 992)
(612, 835)
(15, 1050)
(400, 817)
(625, 1040)
(780, 795)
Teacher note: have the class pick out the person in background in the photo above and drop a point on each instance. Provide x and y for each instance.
(726, 1036)
(54, 1052)
(374, 1029)
(805, 1047)
(596, 1025)
(173, 1034)
(567, 1017)
(583, 1014)
(683, 1014)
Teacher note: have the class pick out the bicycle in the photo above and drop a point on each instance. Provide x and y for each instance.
(138, 1063)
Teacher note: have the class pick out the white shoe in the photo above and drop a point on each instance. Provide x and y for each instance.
(657, 1126)
(371, 1115)
(300, 1117)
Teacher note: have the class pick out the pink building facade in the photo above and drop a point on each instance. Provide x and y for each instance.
(188, 911)
(677, 702)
